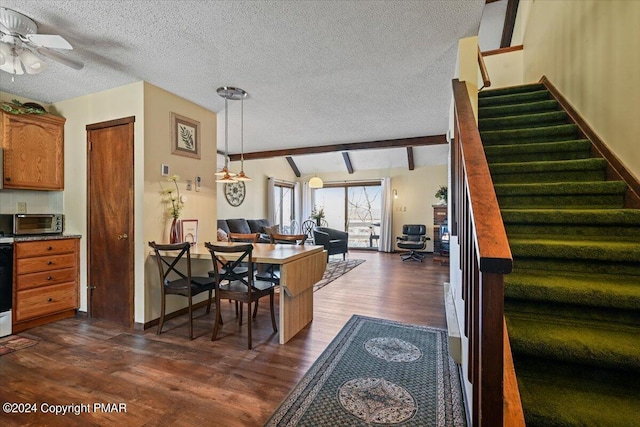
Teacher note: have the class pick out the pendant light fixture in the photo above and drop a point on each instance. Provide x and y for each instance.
(242, 176)
(316, 182)
(224, 175)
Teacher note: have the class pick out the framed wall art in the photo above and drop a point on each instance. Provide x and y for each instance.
(189, 230)
(185, 136)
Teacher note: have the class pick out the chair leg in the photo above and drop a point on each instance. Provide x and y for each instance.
(273, 316)
(218, 320)
(190, 319)
(209, 301)
(255, 309)
(162, 308)
(240, 317)
(249, 322)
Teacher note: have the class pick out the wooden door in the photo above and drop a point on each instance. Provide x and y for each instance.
(110, 220)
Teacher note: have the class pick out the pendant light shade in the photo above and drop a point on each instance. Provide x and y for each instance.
(225, 175)
(315, 182)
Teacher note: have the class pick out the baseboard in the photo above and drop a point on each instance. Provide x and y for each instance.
(151, 323)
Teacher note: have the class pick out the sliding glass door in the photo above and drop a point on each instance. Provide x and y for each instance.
(355, 208)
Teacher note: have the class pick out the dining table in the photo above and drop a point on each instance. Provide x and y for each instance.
(301, 266)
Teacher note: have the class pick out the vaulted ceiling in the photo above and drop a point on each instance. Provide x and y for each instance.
(318, 73)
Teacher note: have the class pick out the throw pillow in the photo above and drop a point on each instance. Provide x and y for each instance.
(222, 235)
(273, 229)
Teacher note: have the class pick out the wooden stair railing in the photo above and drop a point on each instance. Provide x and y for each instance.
(485, 257)
(486, 81)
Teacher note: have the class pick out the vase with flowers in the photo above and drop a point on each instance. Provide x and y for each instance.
(317, 215)
(442, 194)
(174, 203)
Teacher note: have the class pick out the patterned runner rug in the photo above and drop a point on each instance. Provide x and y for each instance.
(13, 343)
(378, 372)
(334, 270)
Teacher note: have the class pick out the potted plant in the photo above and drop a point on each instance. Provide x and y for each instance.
(442, 194)
(317, 215)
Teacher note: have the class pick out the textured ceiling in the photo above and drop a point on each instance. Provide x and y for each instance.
(317, 72)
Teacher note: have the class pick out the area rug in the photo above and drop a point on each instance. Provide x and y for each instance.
(336, 269)
(13, 343)
(378, 372)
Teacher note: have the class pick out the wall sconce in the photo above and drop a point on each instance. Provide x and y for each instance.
(395, 194)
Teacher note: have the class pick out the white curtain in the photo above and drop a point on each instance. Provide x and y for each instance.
(307, 202)
(271, 200)
(386, 222)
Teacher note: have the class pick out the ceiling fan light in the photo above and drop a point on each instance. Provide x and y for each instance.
(32, 64)
(12, 65)
(315, 182)
(5, 53)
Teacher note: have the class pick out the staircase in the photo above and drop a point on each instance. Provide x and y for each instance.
(572, 303)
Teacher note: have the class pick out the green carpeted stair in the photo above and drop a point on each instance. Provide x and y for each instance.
(572, 303)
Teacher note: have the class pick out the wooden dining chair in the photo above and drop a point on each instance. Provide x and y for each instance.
(291, 239)
(241, 288)
(176, 282)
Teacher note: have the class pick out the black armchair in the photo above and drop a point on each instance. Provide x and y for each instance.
(414, 239)
(334, 241)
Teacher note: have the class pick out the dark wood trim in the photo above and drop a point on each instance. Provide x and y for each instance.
(293, 165)
(503, 50)
(387, 143)
(410, 162)
(111, 123)
(616, 170)
(151, 323)
(509, 23)
(351, 184)
(347, 162)
(491, 1)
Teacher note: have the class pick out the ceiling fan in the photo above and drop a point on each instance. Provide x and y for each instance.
(20, 45)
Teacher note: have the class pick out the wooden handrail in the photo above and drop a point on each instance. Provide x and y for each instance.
(513, 415)
(485, 257)
(486, 82)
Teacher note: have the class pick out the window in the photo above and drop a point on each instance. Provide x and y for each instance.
(285, 207)
(355, 208)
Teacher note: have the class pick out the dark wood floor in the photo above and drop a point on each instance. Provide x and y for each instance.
(169, 380)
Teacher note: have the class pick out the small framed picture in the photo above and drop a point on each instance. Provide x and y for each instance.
(185, 136)
(189, 230)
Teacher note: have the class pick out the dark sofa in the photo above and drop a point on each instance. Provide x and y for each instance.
(245, 226)
(334, 241)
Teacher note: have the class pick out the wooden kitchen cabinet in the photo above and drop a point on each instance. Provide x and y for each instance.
(46, 282)
(33, 151)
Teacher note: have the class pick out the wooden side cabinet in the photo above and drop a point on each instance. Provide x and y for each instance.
(46, 281)
(33, 151)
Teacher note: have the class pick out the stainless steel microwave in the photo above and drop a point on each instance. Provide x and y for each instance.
(25, 224)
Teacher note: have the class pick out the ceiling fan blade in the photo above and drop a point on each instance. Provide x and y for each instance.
(58, 57)
(49, 40)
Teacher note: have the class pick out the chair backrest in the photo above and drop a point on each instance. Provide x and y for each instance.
(291, 239)
(307, 227)
(243, 237)
(167, 262)
(227, 270)
(414, 231)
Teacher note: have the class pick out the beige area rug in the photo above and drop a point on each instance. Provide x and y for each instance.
(14, 343)
(336, 269)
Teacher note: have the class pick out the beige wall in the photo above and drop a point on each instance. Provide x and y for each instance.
(158, 105)
(505, 69)
(590, 50)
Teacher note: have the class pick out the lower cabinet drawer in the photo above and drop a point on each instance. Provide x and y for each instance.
(42, 301)
(45, 278)
(45, 263)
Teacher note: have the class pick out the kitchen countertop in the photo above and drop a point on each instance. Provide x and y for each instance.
(45, 237)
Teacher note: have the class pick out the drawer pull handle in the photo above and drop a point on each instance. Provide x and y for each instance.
(49, 262)
(50, 300)
(50, 248)
(49, 278)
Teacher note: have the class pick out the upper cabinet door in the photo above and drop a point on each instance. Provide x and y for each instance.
(33, 151)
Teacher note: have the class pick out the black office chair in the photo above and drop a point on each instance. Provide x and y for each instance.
(414, 239)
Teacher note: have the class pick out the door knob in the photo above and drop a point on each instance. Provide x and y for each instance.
(123, 236)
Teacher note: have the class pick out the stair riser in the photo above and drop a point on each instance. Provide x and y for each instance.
(536, 157)
(574, 232)
(525, 136)
(512, 90)
(606, 201)
(523, 121)
(584, 252)
(581, 267)
(530, 178)
(513, 99)
(518, 109)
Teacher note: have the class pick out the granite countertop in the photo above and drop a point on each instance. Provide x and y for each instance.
(46, 237)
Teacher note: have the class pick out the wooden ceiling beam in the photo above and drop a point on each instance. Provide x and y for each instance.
(347, 161)
(509, 23)
(412, 166)
(293, 165)
(387, 143)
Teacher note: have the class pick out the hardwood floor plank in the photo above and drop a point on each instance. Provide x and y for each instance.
(170, 380)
